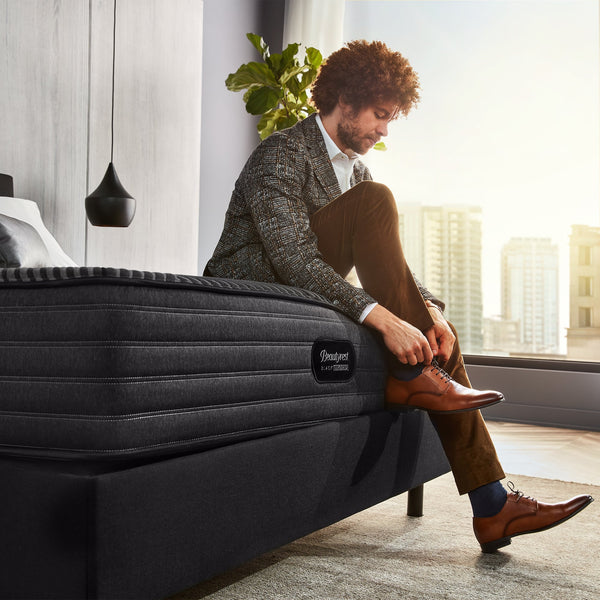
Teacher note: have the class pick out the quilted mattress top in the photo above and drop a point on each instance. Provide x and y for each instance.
(105, 364)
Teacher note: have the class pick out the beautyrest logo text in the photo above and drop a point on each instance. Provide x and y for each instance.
(332, 360)
(333, 357)
(337, 358)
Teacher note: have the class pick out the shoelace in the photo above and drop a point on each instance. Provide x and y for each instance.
(520, 494)
(439, 372)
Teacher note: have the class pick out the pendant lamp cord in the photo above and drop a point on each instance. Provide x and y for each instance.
(112, 109)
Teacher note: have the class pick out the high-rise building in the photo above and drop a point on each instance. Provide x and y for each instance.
(583, 335)
(530, 293)
(442, 245)
(500, 336)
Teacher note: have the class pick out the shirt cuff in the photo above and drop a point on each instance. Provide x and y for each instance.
(434, 305)
(367, 309)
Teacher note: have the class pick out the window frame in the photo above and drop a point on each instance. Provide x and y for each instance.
(543, 364)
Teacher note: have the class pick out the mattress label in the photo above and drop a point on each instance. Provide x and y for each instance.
(332, 360)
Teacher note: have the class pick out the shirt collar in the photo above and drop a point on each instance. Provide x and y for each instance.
(332, 149)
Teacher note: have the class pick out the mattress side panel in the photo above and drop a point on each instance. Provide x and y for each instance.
(108, 370)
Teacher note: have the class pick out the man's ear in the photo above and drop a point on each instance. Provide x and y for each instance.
(346, 107)
(342, 103)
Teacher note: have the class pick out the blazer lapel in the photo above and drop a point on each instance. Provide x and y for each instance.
(320, 159)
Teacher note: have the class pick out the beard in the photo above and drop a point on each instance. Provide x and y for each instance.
(348, 132)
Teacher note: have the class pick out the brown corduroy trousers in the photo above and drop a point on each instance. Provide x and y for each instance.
(360, 229)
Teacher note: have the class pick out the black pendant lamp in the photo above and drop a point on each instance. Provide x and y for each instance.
(109, 205)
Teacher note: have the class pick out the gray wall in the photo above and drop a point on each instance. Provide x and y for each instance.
(43, 107)
(550, 393)
(228, 131)
(157, 130)
(55, 69)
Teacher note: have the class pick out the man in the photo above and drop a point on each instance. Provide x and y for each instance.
(305, 210)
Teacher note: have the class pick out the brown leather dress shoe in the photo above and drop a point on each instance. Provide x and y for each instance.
(522, 514)
(435, 391)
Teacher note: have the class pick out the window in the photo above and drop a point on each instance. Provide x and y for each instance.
(585, 286)
(585, 316)
(585, 256)
(508, 124)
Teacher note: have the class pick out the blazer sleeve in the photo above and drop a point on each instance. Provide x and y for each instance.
(427, 295)
(277, 177)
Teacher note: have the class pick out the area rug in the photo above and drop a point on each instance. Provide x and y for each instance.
(381, 554)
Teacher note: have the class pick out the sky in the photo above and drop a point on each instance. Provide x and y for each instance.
(508, 118)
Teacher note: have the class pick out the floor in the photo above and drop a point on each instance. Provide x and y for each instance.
(548, 452)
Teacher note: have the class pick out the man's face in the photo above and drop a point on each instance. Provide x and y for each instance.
(360, 131)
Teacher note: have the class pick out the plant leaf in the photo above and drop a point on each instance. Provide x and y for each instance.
(274, 62)
(380, 146)
(261, 100)
(286, 121)
(249, 92)
(294, 86)
(291, 72)
(288, 56)
(308, 77)
(259, 44)
(250, 74)
(314, 57)
(267, 124)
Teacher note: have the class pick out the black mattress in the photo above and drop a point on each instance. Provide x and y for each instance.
(103, 364)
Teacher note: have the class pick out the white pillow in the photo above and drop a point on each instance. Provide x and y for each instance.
(28, 211)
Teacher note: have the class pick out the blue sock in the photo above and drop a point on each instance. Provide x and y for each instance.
(487, 500)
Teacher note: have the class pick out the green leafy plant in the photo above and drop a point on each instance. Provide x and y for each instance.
(276, 89)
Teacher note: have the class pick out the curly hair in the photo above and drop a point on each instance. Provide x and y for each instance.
(362, 74)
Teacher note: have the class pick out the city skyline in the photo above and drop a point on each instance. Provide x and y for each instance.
(528, 323)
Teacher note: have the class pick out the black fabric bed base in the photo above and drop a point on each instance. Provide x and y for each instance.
(158, 429)
(151, 530)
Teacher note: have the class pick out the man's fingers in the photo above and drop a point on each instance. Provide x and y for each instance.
(428, 354)
(422, 352)
(447, 344)
(418, 352)
(403, 340)
(416, 357)
(433, 343)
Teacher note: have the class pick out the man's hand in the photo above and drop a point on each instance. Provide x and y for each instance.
(440, 336)
(403, 340)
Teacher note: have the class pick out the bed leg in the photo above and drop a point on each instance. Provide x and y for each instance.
(415, 502)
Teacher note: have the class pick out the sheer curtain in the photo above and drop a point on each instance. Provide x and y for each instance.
(317, 23)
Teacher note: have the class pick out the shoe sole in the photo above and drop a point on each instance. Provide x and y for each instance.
(490, 547)
(409, 407)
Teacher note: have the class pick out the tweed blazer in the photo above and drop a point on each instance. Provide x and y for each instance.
(267, 234)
